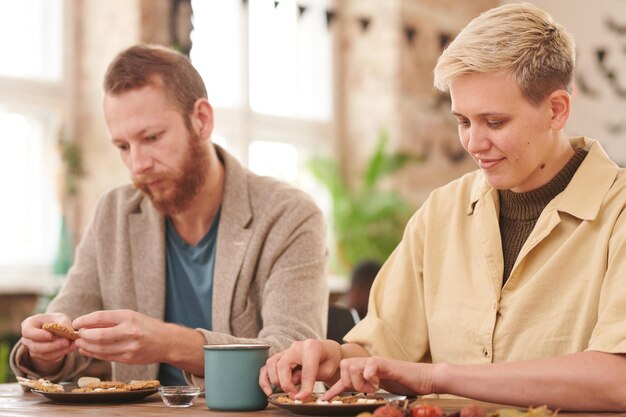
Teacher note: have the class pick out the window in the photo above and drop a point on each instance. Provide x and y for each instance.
(32, 39)
(267, 67)
(30, 220)
(289, 61)
(32, 102)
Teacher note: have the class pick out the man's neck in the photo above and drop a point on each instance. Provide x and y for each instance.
(193, 223)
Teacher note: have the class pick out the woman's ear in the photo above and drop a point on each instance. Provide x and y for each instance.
(560, 102)
(203, 117)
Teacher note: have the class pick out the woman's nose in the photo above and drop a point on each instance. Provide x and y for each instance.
(478, 141)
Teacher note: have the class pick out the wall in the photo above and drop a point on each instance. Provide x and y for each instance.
(103, 28)
(599, 104)
(384, 81)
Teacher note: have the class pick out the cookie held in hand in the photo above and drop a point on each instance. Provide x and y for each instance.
(61, 330)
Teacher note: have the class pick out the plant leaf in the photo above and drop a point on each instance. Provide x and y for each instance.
(368, 222)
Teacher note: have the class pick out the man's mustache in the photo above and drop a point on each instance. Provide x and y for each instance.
(142, 180)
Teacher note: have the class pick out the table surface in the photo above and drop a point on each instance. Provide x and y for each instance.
(15, 402)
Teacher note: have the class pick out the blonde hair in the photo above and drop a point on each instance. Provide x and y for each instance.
(520, 38)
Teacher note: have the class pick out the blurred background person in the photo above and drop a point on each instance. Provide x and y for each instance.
(361, 281)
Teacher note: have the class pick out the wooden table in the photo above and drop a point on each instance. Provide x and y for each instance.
(14, 402)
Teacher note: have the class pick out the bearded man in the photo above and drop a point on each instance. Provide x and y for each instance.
(199, 251)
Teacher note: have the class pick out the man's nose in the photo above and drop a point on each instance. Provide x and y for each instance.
(140, 160)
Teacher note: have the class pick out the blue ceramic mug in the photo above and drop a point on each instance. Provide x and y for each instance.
(231, 376)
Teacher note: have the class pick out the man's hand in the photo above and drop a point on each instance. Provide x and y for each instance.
(368, 374)
(122, 336)
(303, 363)
(46, 350)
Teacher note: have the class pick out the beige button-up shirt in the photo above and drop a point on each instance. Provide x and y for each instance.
(439, 297)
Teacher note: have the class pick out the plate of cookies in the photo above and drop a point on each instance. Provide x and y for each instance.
(92, 390)
(345, 404)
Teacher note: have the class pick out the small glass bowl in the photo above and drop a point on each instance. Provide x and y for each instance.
(179, 396)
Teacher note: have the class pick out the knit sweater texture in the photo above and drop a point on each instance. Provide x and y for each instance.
(519, 211)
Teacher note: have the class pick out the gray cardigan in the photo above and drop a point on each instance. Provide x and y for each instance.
(269, 283)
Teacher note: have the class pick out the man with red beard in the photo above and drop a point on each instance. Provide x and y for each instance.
(200, 250)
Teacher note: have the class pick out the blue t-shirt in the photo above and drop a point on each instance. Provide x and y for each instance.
(189, 287)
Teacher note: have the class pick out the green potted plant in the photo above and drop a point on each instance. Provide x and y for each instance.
(367, 221)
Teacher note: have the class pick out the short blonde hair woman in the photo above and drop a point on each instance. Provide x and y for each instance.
(509, 285)
(520, 38)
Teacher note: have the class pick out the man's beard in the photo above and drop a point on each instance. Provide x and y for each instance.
(193, 172)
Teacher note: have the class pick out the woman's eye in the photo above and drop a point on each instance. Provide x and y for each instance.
(496, 124)
(464, 123)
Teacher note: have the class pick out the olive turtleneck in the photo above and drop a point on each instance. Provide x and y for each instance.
(519, 211)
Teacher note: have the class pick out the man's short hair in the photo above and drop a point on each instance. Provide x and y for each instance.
(142, 65)
(520, 38)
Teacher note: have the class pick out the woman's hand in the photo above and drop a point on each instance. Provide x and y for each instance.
(369, 374)
(303, 363)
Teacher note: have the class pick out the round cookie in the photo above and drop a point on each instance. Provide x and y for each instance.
(61, 330)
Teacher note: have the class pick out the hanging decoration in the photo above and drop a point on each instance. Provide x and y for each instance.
(609, 74)
(444, 40)
(364, 22)
(618, 28)
(584, 87)
(330, 16)
(409, 33)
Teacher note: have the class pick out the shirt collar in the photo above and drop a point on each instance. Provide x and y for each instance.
(585, 193)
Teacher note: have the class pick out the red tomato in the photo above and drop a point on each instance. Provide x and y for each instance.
(388, 411)
(425, 410)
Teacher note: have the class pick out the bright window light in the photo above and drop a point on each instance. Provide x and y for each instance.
(267, 68)
(279, 160)
(216, 51)
(286, 61)
(289, 60)
(32, 34)
(220, 140)
(29, 215)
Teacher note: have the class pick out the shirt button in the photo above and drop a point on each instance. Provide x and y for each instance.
(485, 353)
